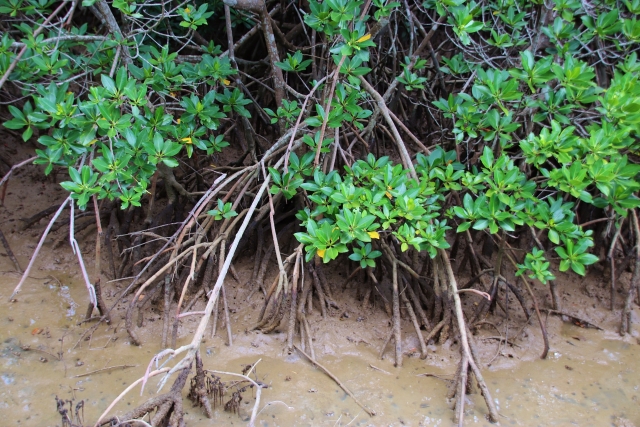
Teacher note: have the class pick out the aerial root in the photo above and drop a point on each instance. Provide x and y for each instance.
(469, 358)
(634, 285)
(9, 252)
(199, 393)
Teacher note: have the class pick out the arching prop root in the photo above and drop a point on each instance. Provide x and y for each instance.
(410, 302)
(290, 298)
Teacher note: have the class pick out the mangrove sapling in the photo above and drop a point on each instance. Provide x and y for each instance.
(536, 307)
(520, 156)
(396, 316)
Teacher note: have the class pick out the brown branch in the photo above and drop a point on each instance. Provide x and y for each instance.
(371, 412)
(406, 159)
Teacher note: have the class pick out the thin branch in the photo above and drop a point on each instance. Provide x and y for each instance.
(371, 412)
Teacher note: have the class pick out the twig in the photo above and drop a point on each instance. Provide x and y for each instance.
(612, 261)
(378, 369)
(193, 347)
(16, 166)
(477, 292)
(28, 348)
(573, 318)
(107, 369)
(333, 377)
(426, 374)
(10, 254)
(40, 29)
(327, 109)
(406, 159)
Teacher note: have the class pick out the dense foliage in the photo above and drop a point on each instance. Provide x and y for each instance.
(538, 112)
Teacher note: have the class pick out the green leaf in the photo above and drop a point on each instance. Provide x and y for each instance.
(463, 227)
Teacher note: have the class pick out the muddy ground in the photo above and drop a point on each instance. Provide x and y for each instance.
(591, 377)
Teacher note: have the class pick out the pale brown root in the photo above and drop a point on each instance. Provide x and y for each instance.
(461, 382)
(625, 324)
(416, 325)
(168, 295)
(612, 262)
(318, 287)
(396, 318)
(227, 318)
(416, 303)
(465, 342)
(37, 250)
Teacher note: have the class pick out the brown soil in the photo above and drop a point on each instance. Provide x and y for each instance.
(591, 377)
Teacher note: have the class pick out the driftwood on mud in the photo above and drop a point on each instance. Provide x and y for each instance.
(334, 378)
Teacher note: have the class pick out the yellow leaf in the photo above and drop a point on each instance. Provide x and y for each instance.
(187, 140)
(321, 252)
(364, 38)
(226, 82)
(187, 10)
(373, 234)
(388, 195)
(178, 121)
(93, 141)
